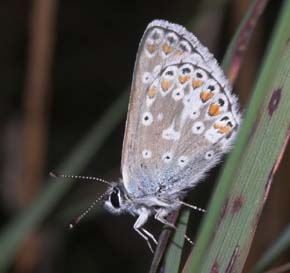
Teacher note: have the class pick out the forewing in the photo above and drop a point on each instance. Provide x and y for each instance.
(182, 116)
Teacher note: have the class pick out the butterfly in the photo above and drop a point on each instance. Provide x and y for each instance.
(182, 118)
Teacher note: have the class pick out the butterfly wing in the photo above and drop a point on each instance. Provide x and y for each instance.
(182, 115)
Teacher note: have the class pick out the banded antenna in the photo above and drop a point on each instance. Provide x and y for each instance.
(55, 175)
(100, 198)
(191, 206)
(85, 213)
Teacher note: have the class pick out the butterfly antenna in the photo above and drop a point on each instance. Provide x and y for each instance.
(88, 210)
(192, 206)
(55, 175)
(188, 239)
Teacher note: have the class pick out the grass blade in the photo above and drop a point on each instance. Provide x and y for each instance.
(280, 245)
(239, 44)
(256, 155)
(173, 254)
(236, 51)
(16, 231)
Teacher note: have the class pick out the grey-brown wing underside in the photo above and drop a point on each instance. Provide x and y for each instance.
(182, 115)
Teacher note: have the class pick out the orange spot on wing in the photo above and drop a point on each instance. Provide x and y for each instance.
(183, 79)
(152, 91)
(151, 48)
(167, 49)
(225, 129)
(205, 96)
(165, 84)
(214, 109)
(197, 83)
(178, 53)
(222, 129)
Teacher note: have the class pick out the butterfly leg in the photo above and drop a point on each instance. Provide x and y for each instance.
(160, 216)
(141, 220)
(150, 235)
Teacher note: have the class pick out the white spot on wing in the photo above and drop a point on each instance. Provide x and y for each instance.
(182, 161)
(209, 155)
(146, 154)
(157, 69)
(194, 113)
(177, 94)
(198, 127)
(167, 157)
(147, 119)
(203, 57)
(146, 78)
(195, 58)
(160, 117)
(227, 142)
(212, 135)
(191, 108)
(149, 101)
(170, 133)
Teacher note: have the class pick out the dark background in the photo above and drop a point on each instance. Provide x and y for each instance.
(46, 108)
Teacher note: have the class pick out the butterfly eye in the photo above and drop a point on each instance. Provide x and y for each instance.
(114, 198)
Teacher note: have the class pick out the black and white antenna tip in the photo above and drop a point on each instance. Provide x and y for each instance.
(53, 174)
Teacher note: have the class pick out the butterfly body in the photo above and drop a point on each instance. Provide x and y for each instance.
(182, 118)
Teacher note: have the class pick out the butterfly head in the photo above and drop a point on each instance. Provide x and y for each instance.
(116, 200)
